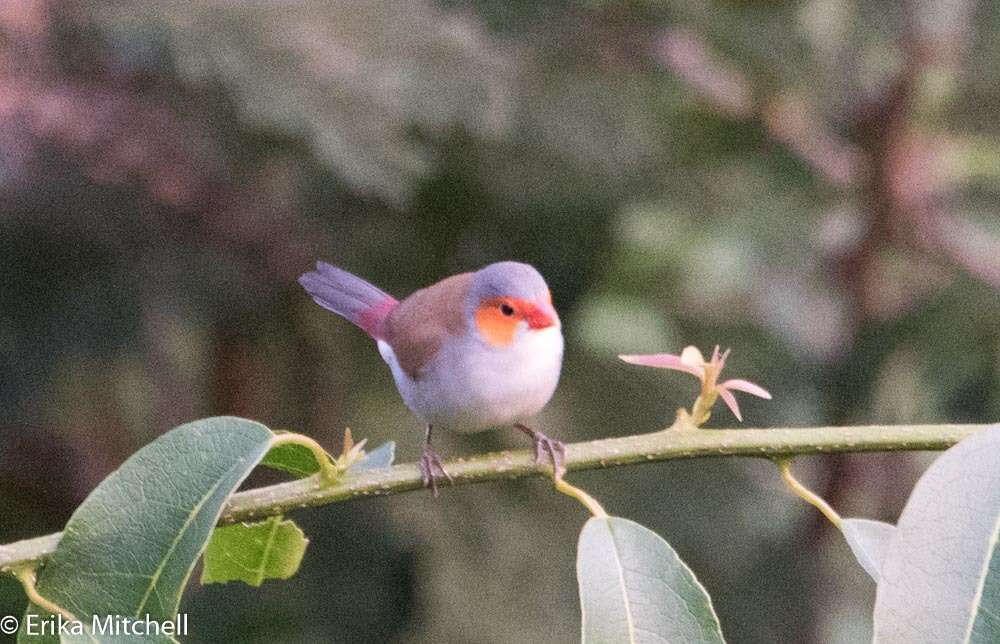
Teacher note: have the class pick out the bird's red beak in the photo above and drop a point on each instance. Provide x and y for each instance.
(541, 316)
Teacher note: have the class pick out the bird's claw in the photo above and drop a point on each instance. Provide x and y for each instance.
(555, 451)
(431, 470)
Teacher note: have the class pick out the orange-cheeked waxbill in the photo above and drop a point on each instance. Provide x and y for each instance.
(474, 351)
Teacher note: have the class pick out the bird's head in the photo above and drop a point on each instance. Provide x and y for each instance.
(510, 298)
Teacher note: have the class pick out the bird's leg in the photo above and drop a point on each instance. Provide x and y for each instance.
(430, 465)
(556, 450)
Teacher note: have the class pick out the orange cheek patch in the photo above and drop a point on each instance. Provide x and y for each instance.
(495, 327)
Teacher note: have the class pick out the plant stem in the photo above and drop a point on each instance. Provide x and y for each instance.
(26, 575)
(610, 452)
(588, 501)
(701, 411)
(810, 497)
(327, 470)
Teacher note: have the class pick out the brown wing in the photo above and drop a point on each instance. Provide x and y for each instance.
(416, 328)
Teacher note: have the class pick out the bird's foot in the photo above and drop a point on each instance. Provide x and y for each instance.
(431, 470)
(547, 449)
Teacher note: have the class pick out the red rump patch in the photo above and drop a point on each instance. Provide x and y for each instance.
(371, 318)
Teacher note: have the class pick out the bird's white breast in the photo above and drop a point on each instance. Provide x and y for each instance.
(471, 386)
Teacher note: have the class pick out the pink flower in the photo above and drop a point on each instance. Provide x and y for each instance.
(693, 362)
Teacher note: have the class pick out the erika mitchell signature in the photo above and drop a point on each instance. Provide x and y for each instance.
(104, 625)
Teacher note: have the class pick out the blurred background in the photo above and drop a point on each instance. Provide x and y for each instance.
(812, 183)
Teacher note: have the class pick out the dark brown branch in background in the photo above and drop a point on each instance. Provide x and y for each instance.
(893, 160)
(791, 120)
(897, 164)
(903, 190)
(689, 57)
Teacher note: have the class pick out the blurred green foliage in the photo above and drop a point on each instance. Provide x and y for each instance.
(813, 184)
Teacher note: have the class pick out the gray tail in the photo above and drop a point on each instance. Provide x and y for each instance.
(349, 296)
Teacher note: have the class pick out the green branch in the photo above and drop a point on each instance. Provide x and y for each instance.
(657, 446)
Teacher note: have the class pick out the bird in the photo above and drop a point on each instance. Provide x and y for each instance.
(474, 351)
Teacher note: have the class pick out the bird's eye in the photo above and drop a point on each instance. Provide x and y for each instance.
(507, 309)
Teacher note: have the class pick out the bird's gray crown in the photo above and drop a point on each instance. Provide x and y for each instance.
(508, 279)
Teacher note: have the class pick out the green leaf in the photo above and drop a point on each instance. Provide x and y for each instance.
(378, 459)
(941, 575)
(300, 462)
(129, 548)
(634, 588)
(297, 460)
(254, 552)
(868, 540)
